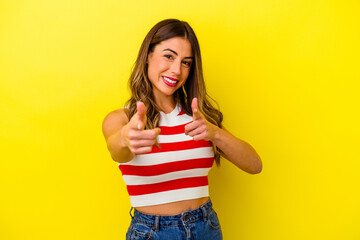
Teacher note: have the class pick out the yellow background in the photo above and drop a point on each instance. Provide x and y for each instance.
(285, 73)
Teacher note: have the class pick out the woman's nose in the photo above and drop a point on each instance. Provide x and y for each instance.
(176, 68)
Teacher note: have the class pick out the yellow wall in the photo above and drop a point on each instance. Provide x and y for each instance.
(286, 75)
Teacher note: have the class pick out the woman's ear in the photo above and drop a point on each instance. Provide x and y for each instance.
(148, 57)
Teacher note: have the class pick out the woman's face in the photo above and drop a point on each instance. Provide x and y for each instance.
(169, 65)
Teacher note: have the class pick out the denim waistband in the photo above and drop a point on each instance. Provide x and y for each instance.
(157, 221)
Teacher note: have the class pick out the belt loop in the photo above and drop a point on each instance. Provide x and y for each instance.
(130, 213)
(157, 223)
(204, 212)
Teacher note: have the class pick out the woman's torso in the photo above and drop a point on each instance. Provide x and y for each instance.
(174, 207)
(184, 169)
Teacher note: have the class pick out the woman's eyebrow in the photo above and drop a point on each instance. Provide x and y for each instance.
(168, 49)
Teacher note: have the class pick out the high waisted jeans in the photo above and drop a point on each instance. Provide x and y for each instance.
(199, 224)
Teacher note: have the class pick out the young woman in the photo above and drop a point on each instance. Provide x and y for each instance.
(167, 137)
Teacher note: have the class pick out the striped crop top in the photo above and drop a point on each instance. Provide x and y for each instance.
(177, 171)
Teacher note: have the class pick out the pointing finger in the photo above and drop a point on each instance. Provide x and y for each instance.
(195, 109)
(139, 118)
(141, 110)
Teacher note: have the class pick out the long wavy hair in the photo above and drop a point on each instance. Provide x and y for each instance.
(141, 87)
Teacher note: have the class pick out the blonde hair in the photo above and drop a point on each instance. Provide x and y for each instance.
(141, 88)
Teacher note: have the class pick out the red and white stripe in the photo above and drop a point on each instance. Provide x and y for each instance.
(177, 171)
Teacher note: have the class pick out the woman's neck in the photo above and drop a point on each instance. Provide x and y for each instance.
(166, 103)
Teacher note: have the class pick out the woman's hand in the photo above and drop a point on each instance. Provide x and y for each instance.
(200, 128)
(234, 149)
(138, 140)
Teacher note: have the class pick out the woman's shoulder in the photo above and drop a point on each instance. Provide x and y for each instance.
(119, 114)
(117, 117)
(114, 121)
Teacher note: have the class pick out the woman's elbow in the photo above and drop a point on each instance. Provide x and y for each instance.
(257, 167)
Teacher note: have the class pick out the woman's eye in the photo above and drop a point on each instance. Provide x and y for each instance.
(168, 56)
(187, 63)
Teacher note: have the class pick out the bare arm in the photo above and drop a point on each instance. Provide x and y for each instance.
(234, 149)
(239, 152)
(126, 138)
(112, 129)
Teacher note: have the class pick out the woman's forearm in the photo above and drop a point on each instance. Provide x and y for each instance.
(239, 152)
(118, 151)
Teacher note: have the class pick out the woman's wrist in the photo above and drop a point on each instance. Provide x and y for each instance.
(122, 137)
(216, 135)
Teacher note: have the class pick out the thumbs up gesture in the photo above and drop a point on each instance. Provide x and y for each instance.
(200, 128)
(138, 140)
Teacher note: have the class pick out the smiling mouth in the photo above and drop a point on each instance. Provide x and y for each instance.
(169, 82)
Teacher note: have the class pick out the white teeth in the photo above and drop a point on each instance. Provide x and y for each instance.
(171, 81)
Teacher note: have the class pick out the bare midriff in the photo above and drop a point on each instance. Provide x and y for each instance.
(174, 207)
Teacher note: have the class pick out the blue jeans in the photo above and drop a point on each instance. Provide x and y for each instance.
(199, 224)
